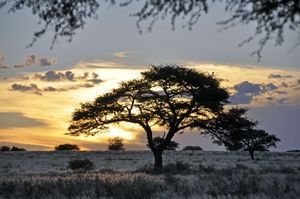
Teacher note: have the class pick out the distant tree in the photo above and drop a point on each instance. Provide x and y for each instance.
(116, 144)
(14, 148)
(67, 147)
(4, 148)
(236, 132)
(171, 97)
(160, 140)
(270, 18)
(192, 148)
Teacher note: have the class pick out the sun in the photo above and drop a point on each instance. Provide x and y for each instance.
(117, 132)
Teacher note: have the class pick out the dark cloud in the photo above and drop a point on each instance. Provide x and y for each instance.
(246, 91)
(269, 87)
(52, 76)
(32, 59)
(240, 99)
(247, 87)
(44, 61)
(18, 120)
(23, 88)
(278, 76)
(52, 89)
(284, 85)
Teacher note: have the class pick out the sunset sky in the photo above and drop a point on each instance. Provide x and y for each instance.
(40, 88)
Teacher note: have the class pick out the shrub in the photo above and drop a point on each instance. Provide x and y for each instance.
(294, 151)
(14, 148)
(81, 165)
(192, 148)
(4, 148)
(116, 144)
(178, 167)
(67, 147)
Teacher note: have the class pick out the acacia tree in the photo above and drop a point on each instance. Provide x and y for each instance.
(116, 144)
(236, 132)
(172, 97)
(271, 17)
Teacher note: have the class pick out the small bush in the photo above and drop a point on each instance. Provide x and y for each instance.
(81, 165)
(4, 148)
(116, 144)
(67, 147)
(14, 148)
(192, 148)
(294, 151)
(178, 167)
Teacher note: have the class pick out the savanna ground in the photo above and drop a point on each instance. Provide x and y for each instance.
(128, 174)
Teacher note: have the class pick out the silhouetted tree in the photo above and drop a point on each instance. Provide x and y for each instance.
(14, 148)
(67, 147)
(159, 140)
(172, 97)
(236, 132)
(116, 144)
(4, 148)
(192, 148)
(271, 18)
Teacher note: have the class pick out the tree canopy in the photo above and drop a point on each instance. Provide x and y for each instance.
(236, 132)
(172, 146)
(172, 97)
(271, 18)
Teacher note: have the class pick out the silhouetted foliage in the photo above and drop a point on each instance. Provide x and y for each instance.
(4, 148)
(192, 148)
(14, 148)
(81, 165)
(169, 96)
(271, 18)
(159, 140)
(236, 132)
(116, 144)
(67, 147)
(293, 151)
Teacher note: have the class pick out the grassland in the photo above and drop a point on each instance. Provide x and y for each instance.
(128, 174)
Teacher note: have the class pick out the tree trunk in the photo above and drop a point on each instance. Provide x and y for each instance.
(251, 152)
(158, 160)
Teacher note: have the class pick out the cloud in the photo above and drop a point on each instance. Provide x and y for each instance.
(52, 76)
(44, 61)
(23, 88)
(240, 99)
(246, 91)
(284, 85)
(18, 120)
(35, 60)
(248, 88)
(122, 54)
(30, 60)
(278, 76)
